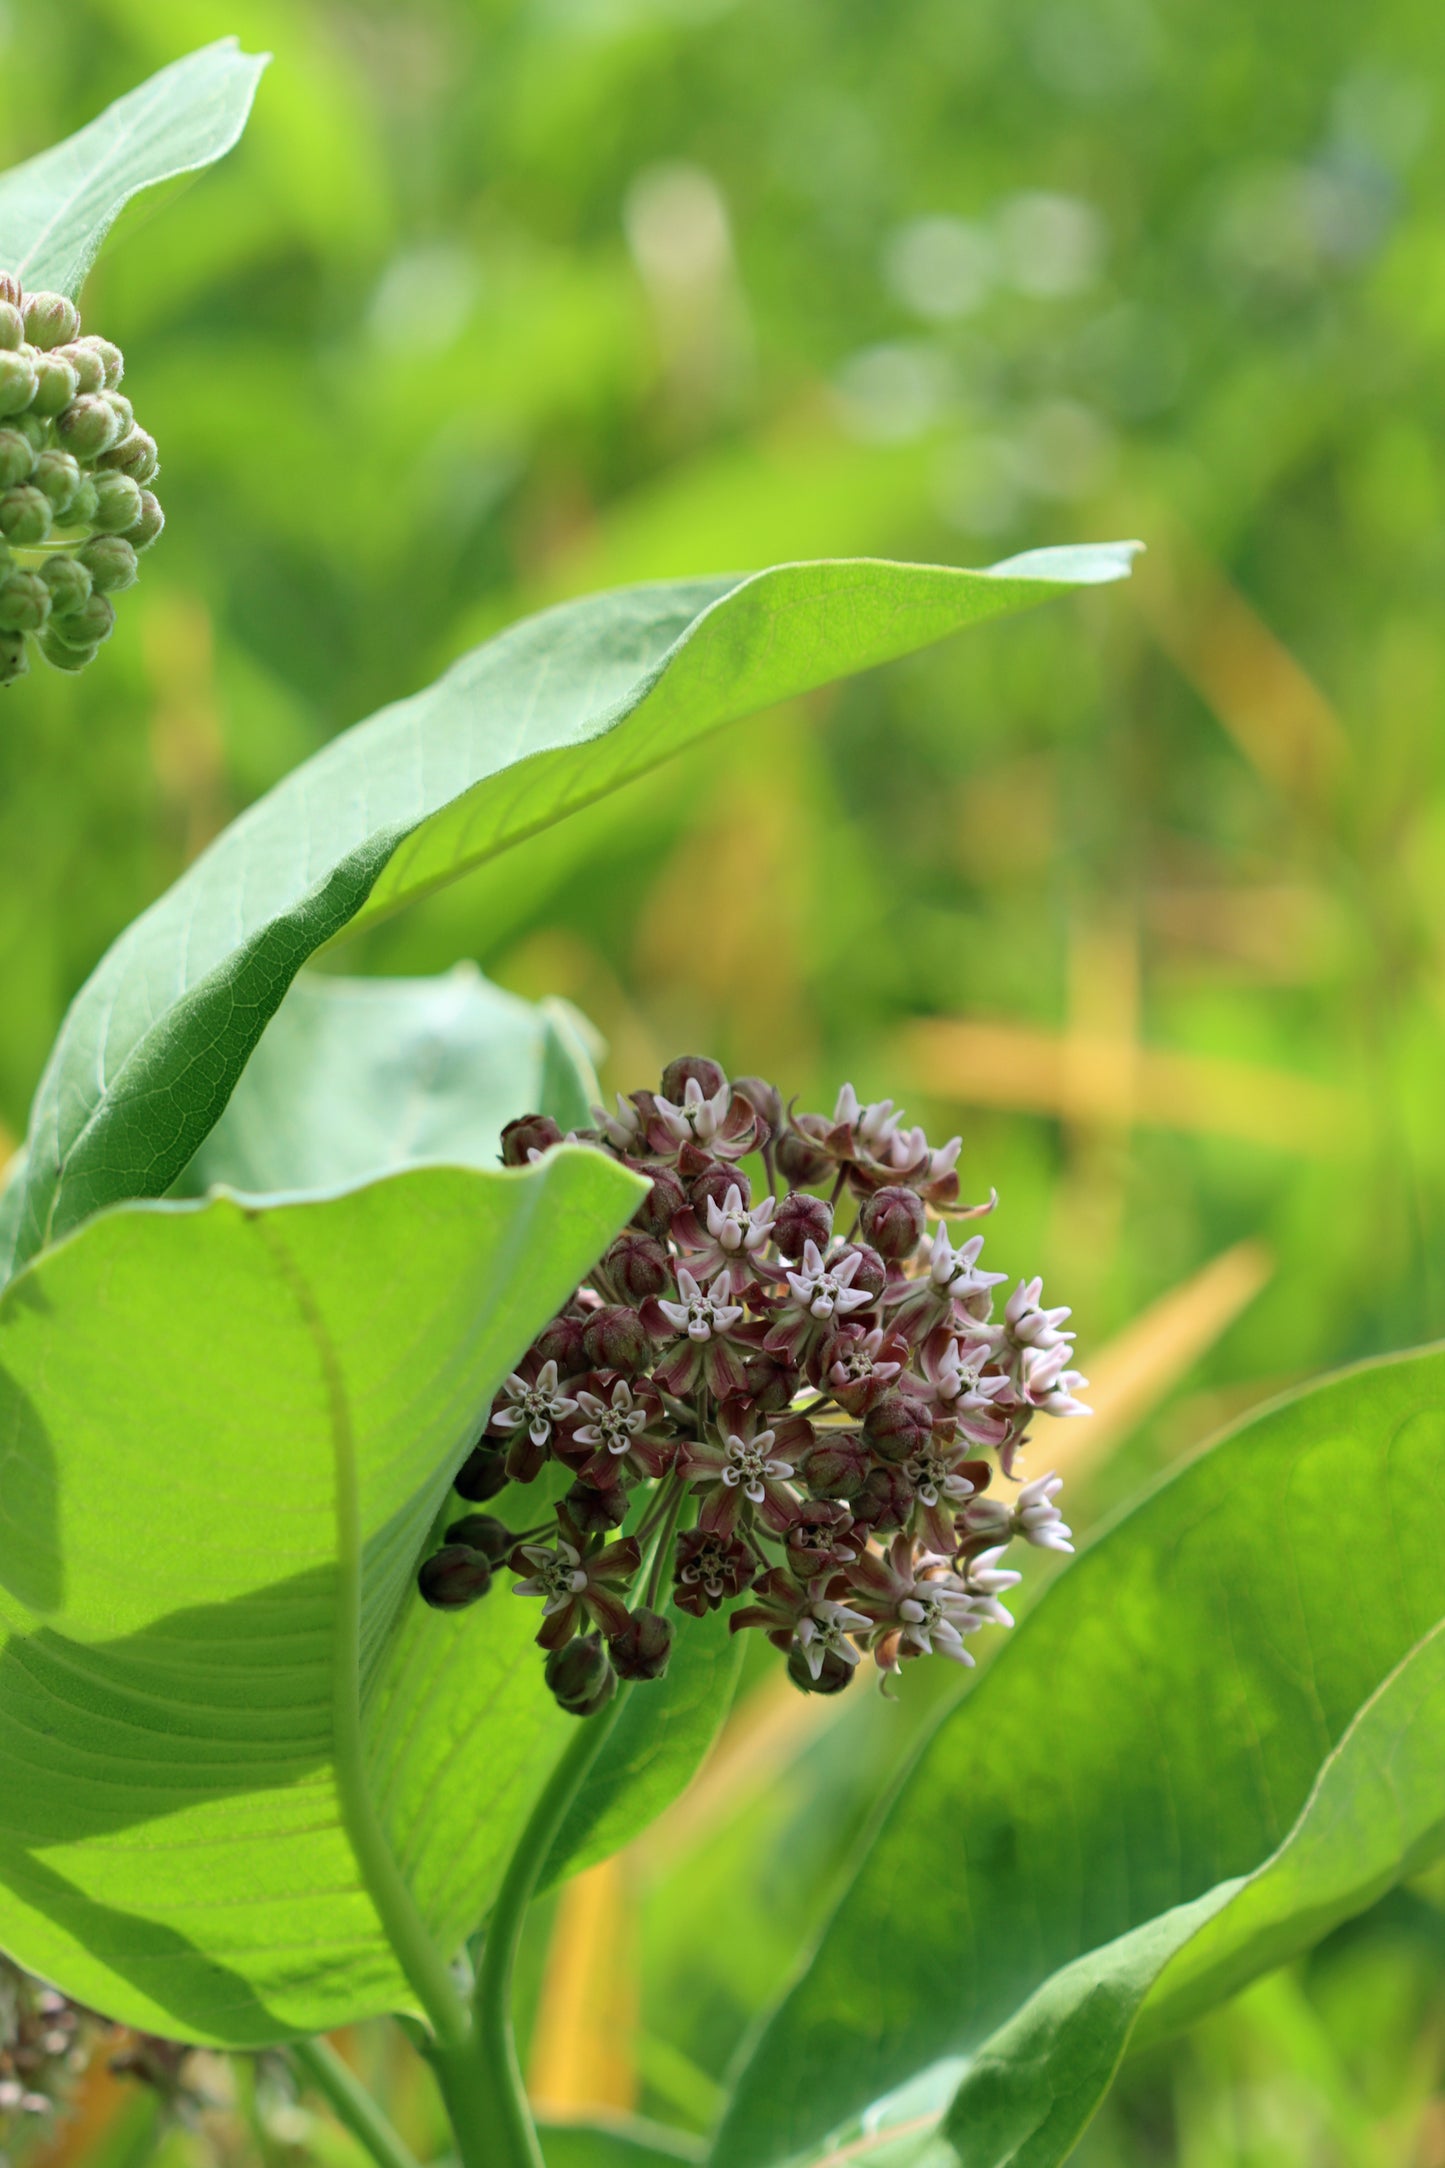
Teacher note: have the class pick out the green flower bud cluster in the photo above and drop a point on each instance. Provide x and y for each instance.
(76, 506)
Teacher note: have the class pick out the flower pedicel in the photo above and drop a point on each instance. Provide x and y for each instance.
(761, 1406)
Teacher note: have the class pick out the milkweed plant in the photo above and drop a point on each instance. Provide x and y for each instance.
(384, 1505)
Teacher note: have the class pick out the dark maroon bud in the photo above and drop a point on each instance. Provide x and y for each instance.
(764, 1098)
(616, 1339)
(714, 1182)
(529, 1133)
(561, 1343)
(885, 1501)
(898, 1426)
(771, 1380)
(871, 1276)
(802, 1219)
(838, 1465)
(691, 1069)
(800, 1160)
(581, 1676)
(454, 1576)
(893, 1220)
(834, 1671)
(661, 1205)
(597, 1512)
(643, 1647)
(482, 1474)
(819, 1537)
(485, 1533)
(636, 1265)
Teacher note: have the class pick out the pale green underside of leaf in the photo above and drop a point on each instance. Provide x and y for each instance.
(1149, 1738)
(556, 712)
(189, 1397)
(57, 208)
(357, 1077)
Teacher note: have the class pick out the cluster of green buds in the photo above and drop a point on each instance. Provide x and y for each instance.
(75, 505)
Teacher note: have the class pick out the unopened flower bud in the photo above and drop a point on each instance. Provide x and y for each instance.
(117, 502)
(453, 1577)
(87, 426)
(135, 455)
(25, 515)
(528, 1134)
(691, 1069)
(14, 661)
(485, 1533)
(87, 364)
(643, 1647)
(898, 1426)
(661, 1205)
(636, 1265)
(79, 511)
(870, 1276)
(58, 475)
(834, 1671)
(801, 1219)
(110, 561)
(50, 319)
(24, 602)
(713, 1184)
(110, 357)
(616, 1339)
(17, 381)
(581, 1676)
(561, 1343)
(56, 384)
(89, 624)
(69, 584)
(764, 1098)
(123, 411)
(837, 1466)
(799, 1160)
(17, 458)
(60, 653)
(148, 526)
(482, 1474)
(885, 1501)
(12, 326)
(597, 1512)
(772, 1380)
(893, 1221)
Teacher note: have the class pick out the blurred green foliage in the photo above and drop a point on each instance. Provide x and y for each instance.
(501, 300)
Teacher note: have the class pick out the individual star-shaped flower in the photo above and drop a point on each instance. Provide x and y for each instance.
(574, 1586)
(530, 1409)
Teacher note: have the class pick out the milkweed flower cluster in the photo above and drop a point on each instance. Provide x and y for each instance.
(44, 2045)
(789, 1390)
(74, 464)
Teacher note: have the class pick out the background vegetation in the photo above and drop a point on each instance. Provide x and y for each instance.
(501, 302)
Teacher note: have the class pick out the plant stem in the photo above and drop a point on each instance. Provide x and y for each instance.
(661, 1557)
(480, 2079)
(350, 2103)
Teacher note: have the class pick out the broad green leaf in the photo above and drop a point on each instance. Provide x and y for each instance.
(1153, 1732)
(625, 2142)
(557, 711)
(56, 209)
(237, 1747)
(357, 1077)
(658, 1744)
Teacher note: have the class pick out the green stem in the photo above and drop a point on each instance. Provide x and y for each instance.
(350, 2103)
(662, 1556)
(481, 2080)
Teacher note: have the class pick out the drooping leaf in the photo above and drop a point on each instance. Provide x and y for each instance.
(1152, 1733)
(57, 208)
(559, 710)
(356, 1077)
(234, 1740)
(655, 1749)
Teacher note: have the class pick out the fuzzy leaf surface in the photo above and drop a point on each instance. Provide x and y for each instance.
(357, 1077)
(1153, 1733)
(230, 1729)
(57, 208)
(554, 713)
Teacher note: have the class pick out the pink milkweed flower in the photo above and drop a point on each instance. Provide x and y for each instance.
(572, 1586)
(705, 1324)
(735, 1233)
(738, 1468)
(1032, 1515)
(915, 1606)
(532, 1408)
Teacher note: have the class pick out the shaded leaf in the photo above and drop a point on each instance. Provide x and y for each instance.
(1152, 1732)
(557, 711)
(620, 2142)
(57, 208)
(356, 1077)
(237, 1746)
